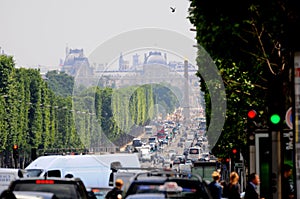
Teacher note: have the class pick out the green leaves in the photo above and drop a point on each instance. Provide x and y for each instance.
(249, 44)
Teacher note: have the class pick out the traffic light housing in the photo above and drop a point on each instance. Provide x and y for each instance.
(225, 163)
(251, 126)
(15, 151)
(235, 154)
(275, 104)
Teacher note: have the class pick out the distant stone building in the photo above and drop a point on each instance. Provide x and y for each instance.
(75, 61)
(153, 69)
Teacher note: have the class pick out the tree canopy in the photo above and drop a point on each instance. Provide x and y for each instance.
(252, 43)
(44, 114)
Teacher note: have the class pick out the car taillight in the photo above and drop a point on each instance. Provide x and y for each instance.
(95, 190)
(44, 182)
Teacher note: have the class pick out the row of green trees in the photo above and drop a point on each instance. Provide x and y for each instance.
(43, 113)
(31, 115)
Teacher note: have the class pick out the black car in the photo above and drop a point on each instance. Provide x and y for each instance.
(63, 188)
(170, 183)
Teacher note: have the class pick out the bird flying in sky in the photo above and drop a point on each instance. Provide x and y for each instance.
(173, 9)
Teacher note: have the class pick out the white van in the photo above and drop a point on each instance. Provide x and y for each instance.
(145, 154)
(194, 153)
(93, 170)
(8, 175)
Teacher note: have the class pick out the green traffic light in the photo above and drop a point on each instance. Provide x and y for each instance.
(275, 118)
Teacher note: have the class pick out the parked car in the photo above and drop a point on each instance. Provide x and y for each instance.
(63, 188)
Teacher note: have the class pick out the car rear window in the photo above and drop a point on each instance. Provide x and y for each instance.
(190, 189)
(62, 191)
(147, 189)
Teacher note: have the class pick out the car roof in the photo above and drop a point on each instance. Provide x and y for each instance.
(62, 187)
(50, 178)
(150, 179)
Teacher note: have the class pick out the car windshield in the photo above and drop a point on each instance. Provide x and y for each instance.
(33, 172)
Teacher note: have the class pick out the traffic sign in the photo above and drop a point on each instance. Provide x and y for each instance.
(289, 118)
(238, 164)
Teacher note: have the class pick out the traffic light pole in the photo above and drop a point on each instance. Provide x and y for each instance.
(15, 155)
(276, 105)
(276, 165)
(252, 159)
(16, 163)
(251, 128)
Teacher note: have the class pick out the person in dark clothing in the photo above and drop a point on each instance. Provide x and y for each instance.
(288, 191)
(215, 187)
(251, 188)
(224, 185)
(234, 189)
(116, 192)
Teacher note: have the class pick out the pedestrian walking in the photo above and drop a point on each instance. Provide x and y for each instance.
(215, 187)
(234, 188)
(251, 191)
(116, 192)
(288, 191)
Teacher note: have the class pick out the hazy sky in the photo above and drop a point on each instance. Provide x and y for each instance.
(36, 32)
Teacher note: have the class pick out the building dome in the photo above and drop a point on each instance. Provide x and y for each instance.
(156, 58)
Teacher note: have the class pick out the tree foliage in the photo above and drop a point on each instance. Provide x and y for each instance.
(42, 114)
(61, 83)
(251, 43)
